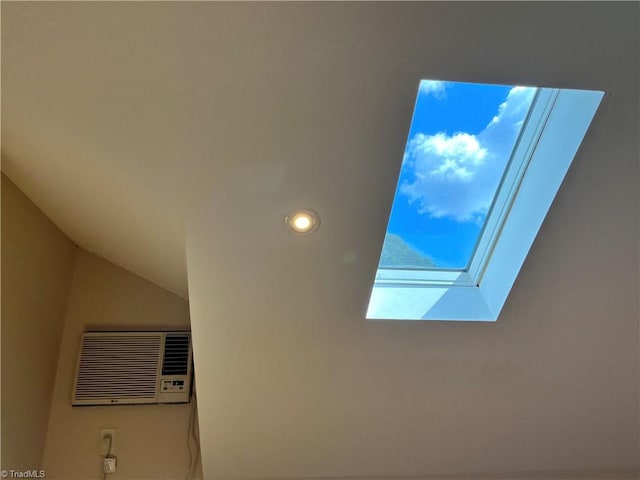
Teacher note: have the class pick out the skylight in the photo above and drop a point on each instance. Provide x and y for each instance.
(460, 141)
(480, 169)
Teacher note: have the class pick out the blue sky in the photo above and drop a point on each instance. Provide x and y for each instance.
(460, 140)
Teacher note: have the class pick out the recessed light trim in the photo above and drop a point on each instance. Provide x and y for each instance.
(302, 221)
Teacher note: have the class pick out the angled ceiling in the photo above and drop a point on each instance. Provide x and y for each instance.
(172, 138)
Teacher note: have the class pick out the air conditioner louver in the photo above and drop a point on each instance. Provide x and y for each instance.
(176, 355)
(133, 367)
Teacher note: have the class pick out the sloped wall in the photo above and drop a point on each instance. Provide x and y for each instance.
(51, 292)
(151, 440)
(37, 262)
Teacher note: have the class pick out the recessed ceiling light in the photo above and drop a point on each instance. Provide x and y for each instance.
(302, 221)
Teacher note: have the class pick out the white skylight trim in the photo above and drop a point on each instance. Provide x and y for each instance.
(556, 124)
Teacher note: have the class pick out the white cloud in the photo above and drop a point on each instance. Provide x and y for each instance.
(444, 168)
(434, 87)
(515, 106)
(456, 175)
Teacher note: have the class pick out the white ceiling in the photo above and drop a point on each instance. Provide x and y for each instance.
(156, 133)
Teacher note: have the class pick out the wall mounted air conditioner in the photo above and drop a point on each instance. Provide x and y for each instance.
(117, 368)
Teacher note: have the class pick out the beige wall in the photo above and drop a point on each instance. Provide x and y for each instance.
(51, 292)
(151, 440)
(37, 261)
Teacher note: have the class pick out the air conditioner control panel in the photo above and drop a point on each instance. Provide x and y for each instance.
(173, 385)
(174, 389)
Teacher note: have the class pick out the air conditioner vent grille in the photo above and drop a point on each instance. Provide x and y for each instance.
(118, 367)
(176, 355)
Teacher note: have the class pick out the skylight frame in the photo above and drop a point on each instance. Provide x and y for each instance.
(551, 135)
(521, 157)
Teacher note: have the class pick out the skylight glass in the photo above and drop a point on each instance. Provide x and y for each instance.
(461, 139)
(481, 168)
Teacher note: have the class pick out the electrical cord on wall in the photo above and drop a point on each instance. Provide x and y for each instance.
(189, 442)
(104, 474)
(191, 435)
